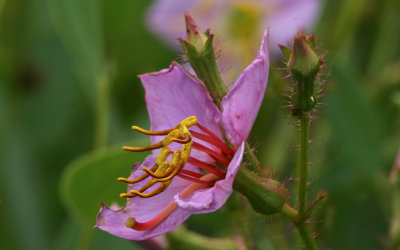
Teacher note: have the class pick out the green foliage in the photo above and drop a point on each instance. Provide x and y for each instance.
(92, 179)
(52, 55)
(79, 25)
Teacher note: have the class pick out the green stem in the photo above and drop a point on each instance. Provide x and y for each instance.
(303, 171)
(253, 159)
(305, 234)
(300, 219)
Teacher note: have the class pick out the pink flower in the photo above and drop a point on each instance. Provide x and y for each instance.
(178, 100)
(238, 22)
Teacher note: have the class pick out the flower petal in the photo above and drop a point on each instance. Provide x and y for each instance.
(143, 209)
(211, 199)
(113, 222)
(240, 106)
(292, 16)
(173, 95)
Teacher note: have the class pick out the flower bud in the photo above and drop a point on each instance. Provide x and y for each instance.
(194, 35)
(303, 64)
(303, 60)
(265, 195)
(199, 52)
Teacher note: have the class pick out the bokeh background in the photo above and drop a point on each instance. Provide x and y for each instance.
(69, 93)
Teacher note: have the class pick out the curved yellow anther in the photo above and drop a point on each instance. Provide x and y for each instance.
(156, 191)
(175, 158)
(189, 122)
(146, 148)
(125, 195)
(186, 149)
(139, 179)
(162, 155)
(161, 172)
(173, 135)
(183, 132)
(148, 132)
(168, 167)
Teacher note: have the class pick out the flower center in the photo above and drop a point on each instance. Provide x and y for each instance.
(163, 171)
(244, 19)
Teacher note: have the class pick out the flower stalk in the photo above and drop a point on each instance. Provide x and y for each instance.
(303, 166)
(303, 65)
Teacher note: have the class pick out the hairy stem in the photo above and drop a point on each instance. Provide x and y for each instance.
(253, 159)
(303, 167)
(299, 223)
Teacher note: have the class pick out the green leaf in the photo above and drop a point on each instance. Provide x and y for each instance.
(79, 26)
(92, 179)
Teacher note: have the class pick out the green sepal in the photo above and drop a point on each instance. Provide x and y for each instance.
(285, 51)
(304, 60)
(266, 196)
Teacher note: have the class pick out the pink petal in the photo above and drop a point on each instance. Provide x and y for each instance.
(113, 222)
(291, 17)
(143, 209)
(240, 106)
(211, 199)
(173, 95)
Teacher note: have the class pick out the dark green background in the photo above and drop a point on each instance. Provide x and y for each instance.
(52, 54)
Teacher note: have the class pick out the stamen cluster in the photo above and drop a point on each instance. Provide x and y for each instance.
(164, 171)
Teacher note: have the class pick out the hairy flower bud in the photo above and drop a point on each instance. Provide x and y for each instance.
(265, 195)
(199, 52)
(303, 60)
(303, 64)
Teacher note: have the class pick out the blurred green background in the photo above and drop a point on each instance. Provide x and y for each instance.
(69, 93)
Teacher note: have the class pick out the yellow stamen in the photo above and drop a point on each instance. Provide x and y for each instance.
(173, 136)
(142, 149)
(163, 171)
(158, 190)
(174, 162)
(147, 132)
(162, 156)
(188, 122)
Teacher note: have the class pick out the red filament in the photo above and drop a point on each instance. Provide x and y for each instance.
(207, 183)
(206, 166)
(215, 155)
(214, 141)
